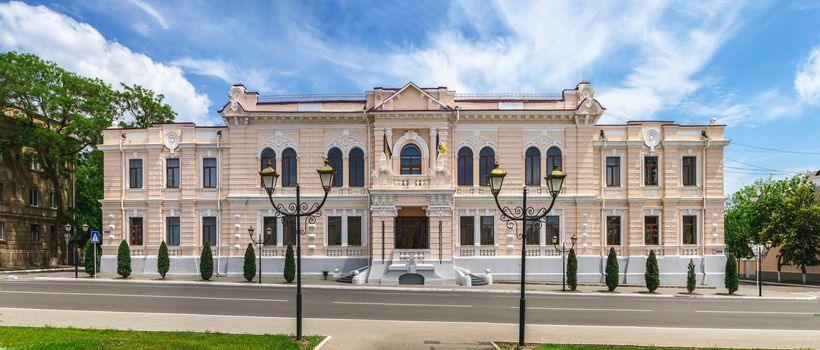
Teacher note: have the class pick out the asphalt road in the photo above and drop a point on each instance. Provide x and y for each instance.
(413, 306)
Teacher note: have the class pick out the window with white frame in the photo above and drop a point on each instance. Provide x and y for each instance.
(209, 233)
(651, 230)
(487, 230)
(172, 230)
(35, 233)
(34, 197)
(135, 173)
(466, 230)
(135, 229)
(689, 171)
(613, 171)
(52, 200)
(650, 170)
(2, 231)
(209, 173)
(354, 230)
(269, 230)
(613, 230)
(334, 230)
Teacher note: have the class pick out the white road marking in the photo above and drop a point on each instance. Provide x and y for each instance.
(140, 296)
(581, 309)
(756, 312)
(400, 294)
(397, 304)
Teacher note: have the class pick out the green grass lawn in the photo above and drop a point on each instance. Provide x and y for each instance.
(75, 338)
(510, 346)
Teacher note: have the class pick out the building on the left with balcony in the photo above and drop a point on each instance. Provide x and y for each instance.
(29, 232)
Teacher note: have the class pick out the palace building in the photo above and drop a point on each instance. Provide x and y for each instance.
(410, 201)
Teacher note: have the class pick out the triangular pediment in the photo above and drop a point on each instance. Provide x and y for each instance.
(410, 98)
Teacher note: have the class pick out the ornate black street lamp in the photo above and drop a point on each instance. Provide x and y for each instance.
(259, 247)
(563, 251)
(526, 215)
(298, 210)
(68, 240)
(752, 245)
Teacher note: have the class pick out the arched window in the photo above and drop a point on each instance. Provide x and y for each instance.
(268, 158)
(486, 163)
(465, 167)
(334, 158)
(356, 175)
(289, 168)
(553, 160)
(410, 160)
(532, 167)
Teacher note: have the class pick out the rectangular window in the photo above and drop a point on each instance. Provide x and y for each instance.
(650, 171)
(354, 230)
(613, 230)
(553, 228)
(289, 230)
(487, 230)
(2, 192)
(613, 171)
(172, 230)
(135, 173)
(269, 224)
(2, 231)
(136, 231)
(334, 230)
(34, 197)
(209, 173)
(532, 236)
(52, 199)
(690, 231)
(689, 169)
(35, 233)
(651, 236)
(209, 233)
(172, 173)
(34, 163)
(467, 230)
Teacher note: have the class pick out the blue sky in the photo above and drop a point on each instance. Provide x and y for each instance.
(753, 65)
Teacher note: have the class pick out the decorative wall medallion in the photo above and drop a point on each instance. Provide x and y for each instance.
(651, 138)
(171, 139)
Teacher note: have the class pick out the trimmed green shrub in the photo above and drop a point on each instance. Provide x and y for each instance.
(124, 260)
(690, 277)
(612, 270)
(250, 263)
(88, 257)
(572, 270)
(652, 274)
(163, 261)
(206, 262)
(290, 265)
(730, 279)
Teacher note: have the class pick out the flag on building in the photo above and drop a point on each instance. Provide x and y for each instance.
(387, 151)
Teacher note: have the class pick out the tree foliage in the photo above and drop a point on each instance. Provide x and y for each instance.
(88, 258)
(290, 264)
(612, 270)
(124, 260)
(691, 281)
(206, 262)
(572, 270)
(730, 279)
(652, 274)
(249, 269)
(163, 261)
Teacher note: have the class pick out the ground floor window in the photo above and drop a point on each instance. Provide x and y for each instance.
(35, 233)
(354, 230)
(136, 231)
(532, 236)
(334, 230)
(553, 228)
(690, 232)
(268, 230)
(412, 233)
(209, 233)
(289, 230)
(467, 229)
(487, 230)
(613, 230)
(2, 231)
(651, 234)
(172, 230)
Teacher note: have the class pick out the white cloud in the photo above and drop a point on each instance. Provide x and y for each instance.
(151, 11)
(225, 71)
(80, 48)
(807, 82)
(761, 108)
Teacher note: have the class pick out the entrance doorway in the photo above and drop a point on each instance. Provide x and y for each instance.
(412, 233)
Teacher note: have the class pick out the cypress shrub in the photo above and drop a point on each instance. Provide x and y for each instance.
(612, 270)
(88, 257)
(163, 262)
(572, 270)
(124, 260)
(652, 275)
(250, 263)
(290, 265)
(730, 279)
(206, 262)
(690, 277)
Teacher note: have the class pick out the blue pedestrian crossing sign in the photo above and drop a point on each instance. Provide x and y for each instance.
(95, 236)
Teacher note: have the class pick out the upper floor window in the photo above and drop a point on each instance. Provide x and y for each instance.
(136, 231)
(172, 173)
(410, 160)
(334, 230)
(486, 163)
(690, 231)
(650, 171)
(209, 173)
(34, 163)
(613, 171)
(465, 167)
(209, 230)
(356, 171)
(467, 230)
(135, 173)
(651, 230)
(334, 158)
(554, 161)
(267, 159)
(289, 168)
(354, 230)
(689, 169)
(52, 200)
(613, 230)
(532, 167)
(34, 197)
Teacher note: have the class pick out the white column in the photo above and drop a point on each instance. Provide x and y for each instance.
(477, 229)
(432, 142)
(279, 229)
(476, 167)
(543, 233)
(344, 227)
(345, 171)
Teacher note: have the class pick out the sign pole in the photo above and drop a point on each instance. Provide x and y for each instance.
(95, 239)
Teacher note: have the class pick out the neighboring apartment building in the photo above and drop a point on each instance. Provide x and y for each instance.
(29, 235)
(639, 187)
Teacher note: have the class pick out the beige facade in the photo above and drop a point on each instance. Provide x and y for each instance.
(679, 209)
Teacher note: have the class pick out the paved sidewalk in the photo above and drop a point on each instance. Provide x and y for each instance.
(746, 290)
(380, 334)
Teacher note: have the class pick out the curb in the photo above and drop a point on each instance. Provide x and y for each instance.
(56, 269)
(495, 346)
(322, 343)
(411, 289)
